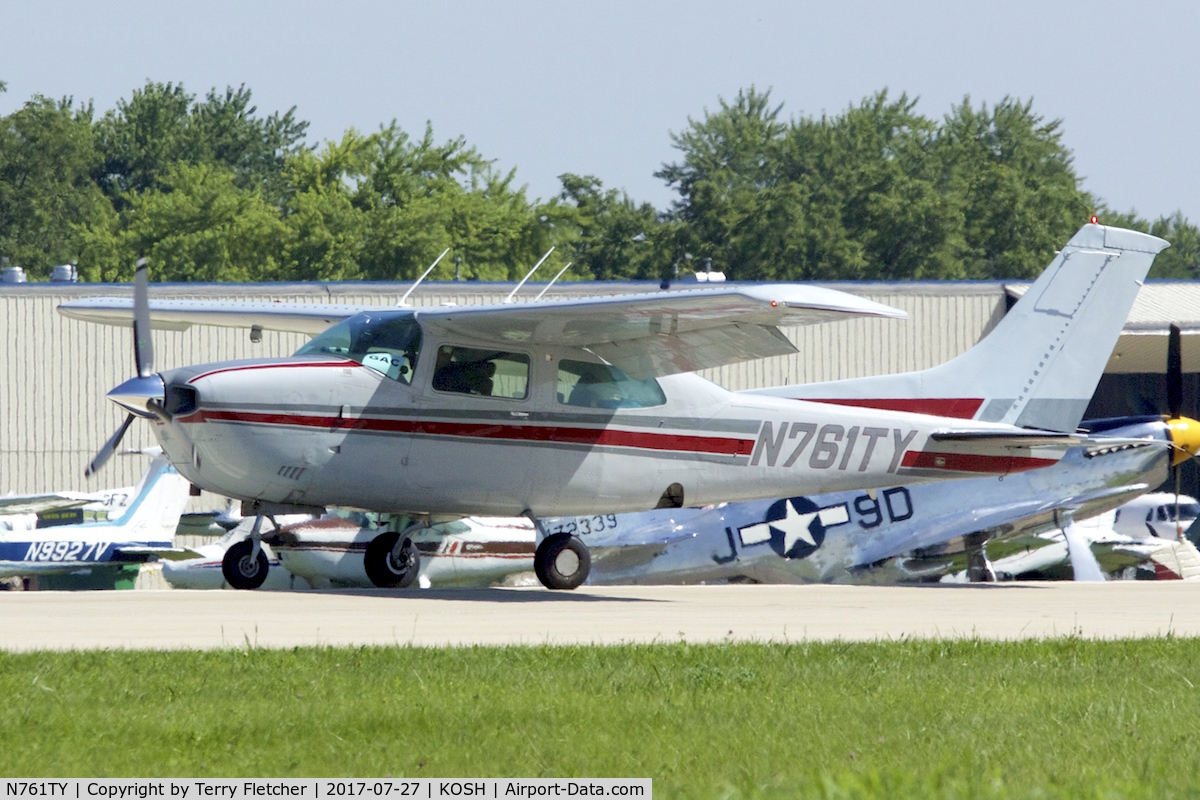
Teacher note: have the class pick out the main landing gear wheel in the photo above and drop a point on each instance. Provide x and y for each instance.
(240, 569)
(562, 561)
(389, 566)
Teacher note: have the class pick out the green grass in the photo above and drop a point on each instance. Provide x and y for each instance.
(1060, 718)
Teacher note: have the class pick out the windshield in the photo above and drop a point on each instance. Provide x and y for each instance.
(386, 341)
(1187, 511)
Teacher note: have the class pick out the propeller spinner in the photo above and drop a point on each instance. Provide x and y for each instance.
(142, 396)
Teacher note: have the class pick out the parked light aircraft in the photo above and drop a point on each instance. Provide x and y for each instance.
(587, 406)
(330, 552)
(1056, 554)
(143, 529)
(1161, 515)
(204, 569)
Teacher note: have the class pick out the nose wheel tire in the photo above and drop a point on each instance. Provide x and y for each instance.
(388, 568)
(240, 570)
(562, 561)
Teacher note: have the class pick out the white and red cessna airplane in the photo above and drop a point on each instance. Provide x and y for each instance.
(572, 407)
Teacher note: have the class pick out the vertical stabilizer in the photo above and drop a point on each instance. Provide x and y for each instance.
(159, 500)
(1039, 367)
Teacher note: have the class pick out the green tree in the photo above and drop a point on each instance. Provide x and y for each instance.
(47, 196)
(853, 196)
(730, 157)
(199, 226)
(1180, 261)
(384, 206)
(1012, 178)
(326, 231)
(161, 125)
(863, 194)
(141, 139)
(421, 197)
(613, 237)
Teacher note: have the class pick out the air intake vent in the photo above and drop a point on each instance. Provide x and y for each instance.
(181, 400)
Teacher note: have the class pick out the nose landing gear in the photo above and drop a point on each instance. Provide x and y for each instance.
(245, 564)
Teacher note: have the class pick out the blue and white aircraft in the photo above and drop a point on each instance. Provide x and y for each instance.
(140, 531)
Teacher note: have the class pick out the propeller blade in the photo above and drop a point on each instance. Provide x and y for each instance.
(1178, 481)
(143, 344)
(109, 448)
(1174, 374)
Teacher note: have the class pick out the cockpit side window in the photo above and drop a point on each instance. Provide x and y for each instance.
(487, 373)
(387, 342)
(592, 385)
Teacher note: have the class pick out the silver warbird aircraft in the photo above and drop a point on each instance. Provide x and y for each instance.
(588, 406)
(902, 533)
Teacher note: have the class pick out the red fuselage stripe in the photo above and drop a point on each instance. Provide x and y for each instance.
(971, 462)
(957, 407)
(300, 364)
(484, 430)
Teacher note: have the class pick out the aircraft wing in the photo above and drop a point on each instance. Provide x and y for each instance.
(657, 333)
(51, 501)
(1031, 516)
(624, 556)
(178, 315)
(661, 333)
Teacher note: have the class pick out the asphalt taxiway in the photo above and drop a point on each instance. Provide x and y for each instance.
(215, 619)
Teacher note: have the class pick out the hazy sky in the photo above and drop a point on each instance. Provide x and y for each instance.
(597, 88)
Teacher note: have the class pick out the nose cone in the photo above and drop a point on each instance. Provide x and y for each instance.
(1185, 435)
(142, 396)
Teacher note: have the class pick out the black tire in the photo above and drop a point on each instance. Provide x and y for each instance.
(242, 572)
(386, 572)
(562, 561)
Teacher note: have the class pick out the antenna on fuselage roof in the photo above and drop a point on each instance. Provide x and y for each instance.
(527, 274)
(551, 283)
(423, 274)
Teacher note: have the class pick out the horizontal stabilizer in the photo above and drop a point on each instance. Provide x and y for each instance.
(985, 438)
(139, 555)
(38, 503)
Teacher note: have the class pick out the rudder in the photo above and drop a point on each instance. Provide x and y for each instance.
(1039, 367)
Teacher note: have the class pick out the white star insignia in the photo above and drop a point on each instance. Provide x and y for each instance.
(794, 528)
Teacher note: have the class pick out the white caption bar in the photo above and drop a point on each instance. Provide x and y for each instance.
(319, 789)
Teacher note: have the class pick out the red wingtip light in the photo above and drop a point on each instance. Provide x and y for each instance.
(774, 304)
(1095, 220)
